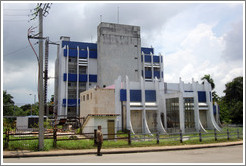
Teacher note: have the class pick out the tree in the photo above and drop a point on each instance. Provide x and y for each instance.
(234, 90)
(8, 104)
(209, 79)
(234, 99)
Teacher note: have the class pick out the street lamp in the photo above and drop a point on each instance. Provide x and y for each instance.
(33, 100)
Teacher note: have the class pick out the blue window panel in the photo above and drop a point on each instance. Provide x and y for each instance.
(161, 58)
(82, 45)
(83, 53)
(150, 95)
(147, 58)
(64, 76)
(83, 78)
(92, 78)
(73, 77)
(188, 91)
(93, 54)
(156, 59)
(123, 95)
(135, 95)
(157, 74)
(71, 102)
(214, 109)
(148, 74)
(65, 52)
(210, 96)
(147, 50)
(202, 96)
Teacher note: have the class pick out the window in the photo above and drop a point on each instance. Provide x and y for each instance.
(91, 96)
(87, 96)
(84, 98)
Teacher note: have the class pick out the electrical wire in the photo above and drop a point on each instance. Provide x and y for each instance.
(28, 33)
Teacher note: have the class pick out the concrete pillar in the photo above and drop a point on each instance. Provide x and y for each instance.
(210, 116)
(152, 67)
(160, 127)
(77, 87)
(88, 72)
(144, 120)
(143, 66)
(181, 106)
(65, 114)
(118, 102)
(128, 110)
(196, 106)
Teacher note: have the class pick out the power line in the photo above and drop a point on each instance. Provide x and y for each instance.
(19, 9)
(14, 20)
(14, 15)
(13, 52)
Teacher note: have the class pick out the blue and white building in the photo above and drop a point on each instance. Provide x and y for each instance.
(81, 66)
(143, 101)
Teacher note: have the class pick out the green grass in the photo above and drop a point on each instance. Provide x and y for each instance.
(89, 144)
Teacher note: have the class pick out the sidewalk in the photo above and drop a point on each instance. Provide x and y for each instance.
(26, 153)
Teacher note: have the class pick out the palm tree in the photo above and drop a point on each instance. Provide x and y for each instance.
(209, 79)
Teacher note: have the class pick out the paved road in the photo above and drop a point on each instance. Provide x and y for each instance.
(230, 154)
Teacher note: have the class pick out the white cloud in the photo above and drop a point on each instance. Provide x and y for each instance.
(199, 53)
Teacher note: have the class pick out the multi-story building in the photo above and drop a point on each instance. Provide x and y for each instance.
(81, 66)
(142, 101)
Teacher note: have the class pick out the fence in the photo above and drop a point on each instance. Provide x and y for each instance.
(56, 136)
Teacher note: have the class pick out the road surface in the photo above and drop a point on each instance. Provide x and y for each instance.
(229, 154)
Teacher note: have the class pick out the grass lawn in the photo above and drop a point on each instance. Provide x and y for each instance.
(137, 141)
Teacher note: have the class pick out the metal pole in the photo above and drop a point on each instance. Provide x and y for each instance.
(40, 88)
(31, 104)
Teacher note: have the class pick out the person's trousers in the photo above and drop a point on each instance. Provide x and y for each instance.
(99, 146)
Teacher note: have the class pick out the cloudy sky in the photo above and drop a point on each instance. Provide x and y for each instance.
(195, 39)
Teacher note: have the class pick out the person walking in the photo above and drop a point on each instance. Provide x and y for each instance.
(99, 140)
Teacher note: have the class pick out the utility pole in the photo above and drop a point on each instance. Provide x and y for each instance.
(40, 83)
(41, 10)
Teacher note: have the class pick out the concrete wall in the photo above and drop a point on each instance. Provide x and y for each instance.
(97, 101)
(119, 52)
(95, 121)
(22, 123)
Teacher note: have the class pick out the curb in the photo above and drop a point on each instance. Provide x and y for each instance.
(119, 151)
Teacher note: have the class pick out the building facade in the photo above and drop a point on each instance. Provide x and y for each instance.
(143, 102)
(81, 66)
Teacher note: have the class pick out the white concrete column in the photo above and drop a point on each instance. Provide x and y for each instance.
(217, 113)
(152, 66)
(144, 120)
(160, 127)
(196, 106)
(67, 83)
(161, 67)
(88, 72)
(164, 106)
(210, 116)
(118, 102)
(128, 110)
(181, 106)
(77, 92)
(143, 66)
